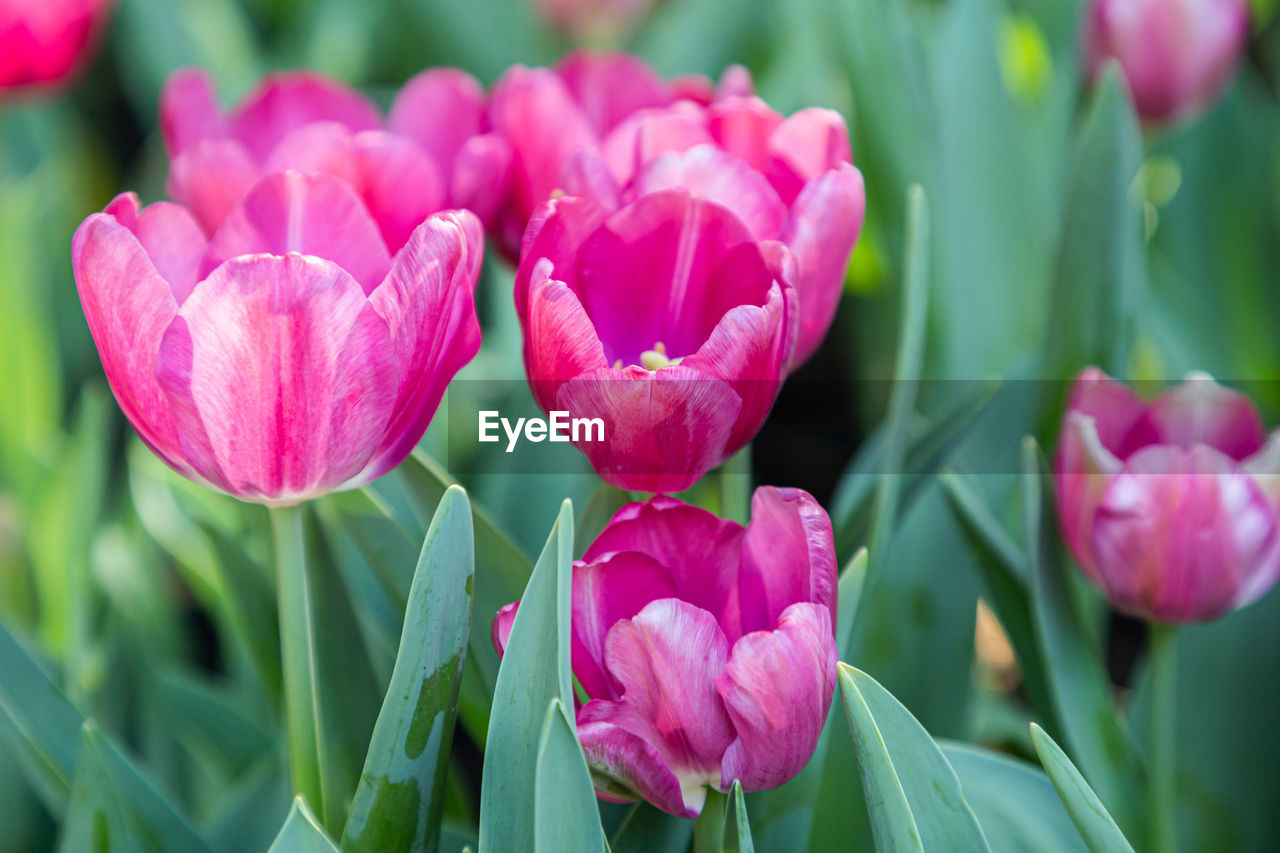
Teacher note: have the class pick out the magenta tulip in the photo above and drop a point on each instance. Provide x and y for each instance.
(787, 179)
(432, 152)
(290, 355)
(1177, 55)
(1170, 506)
(44, 41)
(707, 650)
(666, 320)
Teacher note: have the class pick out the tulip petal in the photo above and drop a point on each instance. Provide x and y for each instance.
(189, 110)
(281, 377)
(1200, 411)
(284, 102)
(666, 659)
(663, 429)
(169, 234)
(560, 342)
(1179, 533)
(1113, 406)
(500, 631)
(428, 302)
(439, 109)
(644, 135)
(625, 766)
(788, 557)
(805, 145)
(709, 173)
(821, 231)
(556, 231)
(744, 127)
(311, 214)
(777, 689)
(127, 305)
(481, 176)
(400, 185)
(611, 86)
(210, 177)
(1083, 469)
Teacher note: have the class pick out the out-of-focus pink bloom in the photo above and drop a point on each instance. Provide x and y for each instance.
(787, 179)
(290, 355)
(666, 320)
(1170, 506)
(707, 650)
(1177, 55)
(432, 152)
(594, 21)
(43, 41)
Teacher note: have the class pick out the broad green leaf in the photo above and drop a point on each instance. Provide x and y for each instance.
(737, 828)
(913, 796)
(1077, 681)
(566, 816)
(647, 829)
(1099, 269)
(1088, 813)
(249, 601)
(330, 695)
(1016, 805)
(214, 722)
(247, 814)
(399, 801)
(302, 833)
(534, 671)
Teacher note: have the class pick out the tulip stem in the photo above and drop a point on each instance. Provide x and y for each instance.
(735, 486)
(1162, 766)
(708, 829)
(297, 647)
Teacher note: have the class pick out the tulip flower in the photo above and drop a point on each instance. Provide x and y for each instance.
(707, 650)
(432, 152)
(666, 320)
(594, 20)
(1170, 506)
(290, 355)
(787, 179)
(1177, 55)
(43, 41)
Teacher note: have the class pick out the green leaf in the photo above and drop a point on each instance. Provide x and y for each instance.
(1016, 805)
(1091, 818)
(534, 671)
(329, 689)
(1077, 681)
(400, 799)
(604, 502)
(566, 816)
(913, 796)
(1099, 270)
(650, 830)
(302, 833)
(737, 828)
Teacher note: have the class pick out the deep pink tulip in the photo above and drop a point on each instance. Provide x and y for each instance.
(44, 41)
(432, 152)
(1170, 506)
(290, 355)
(1177, 55)
(707, 650)
(787, 179)
(666, 320)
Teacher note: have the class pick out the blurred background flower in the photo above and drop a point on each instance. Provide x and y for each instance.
(43, 41)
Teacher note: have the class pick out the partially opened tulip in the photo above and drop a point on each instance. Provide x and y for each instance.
(1171, 506)
(290, 355)
(43, 41)
(432, 152)
(706, 650)
(1177, 55)
(666, 320)
(787, 179)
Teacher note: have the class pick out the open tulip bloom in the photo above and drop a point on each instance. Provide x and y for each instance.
(431, 153)
(289, 355)
(43, 41)
(1172, 506)
(707, 650)
(786, 179)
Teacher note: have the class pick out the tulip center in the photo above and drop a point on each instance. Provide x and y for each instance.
(654, 359)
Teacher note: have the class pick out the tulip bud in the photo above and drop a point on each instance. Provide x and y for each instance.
(43, 41)
(1170, 506)
(290, 355)
(707, 650)
(1177, 55)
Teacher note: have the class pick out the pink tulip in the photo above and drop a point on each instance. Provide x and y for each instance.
(707, 650)
(43, 41)
(1170, 506)
(1177, 55)
(432, 152)
(787, 179)
(664, 319)
(290, 355)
